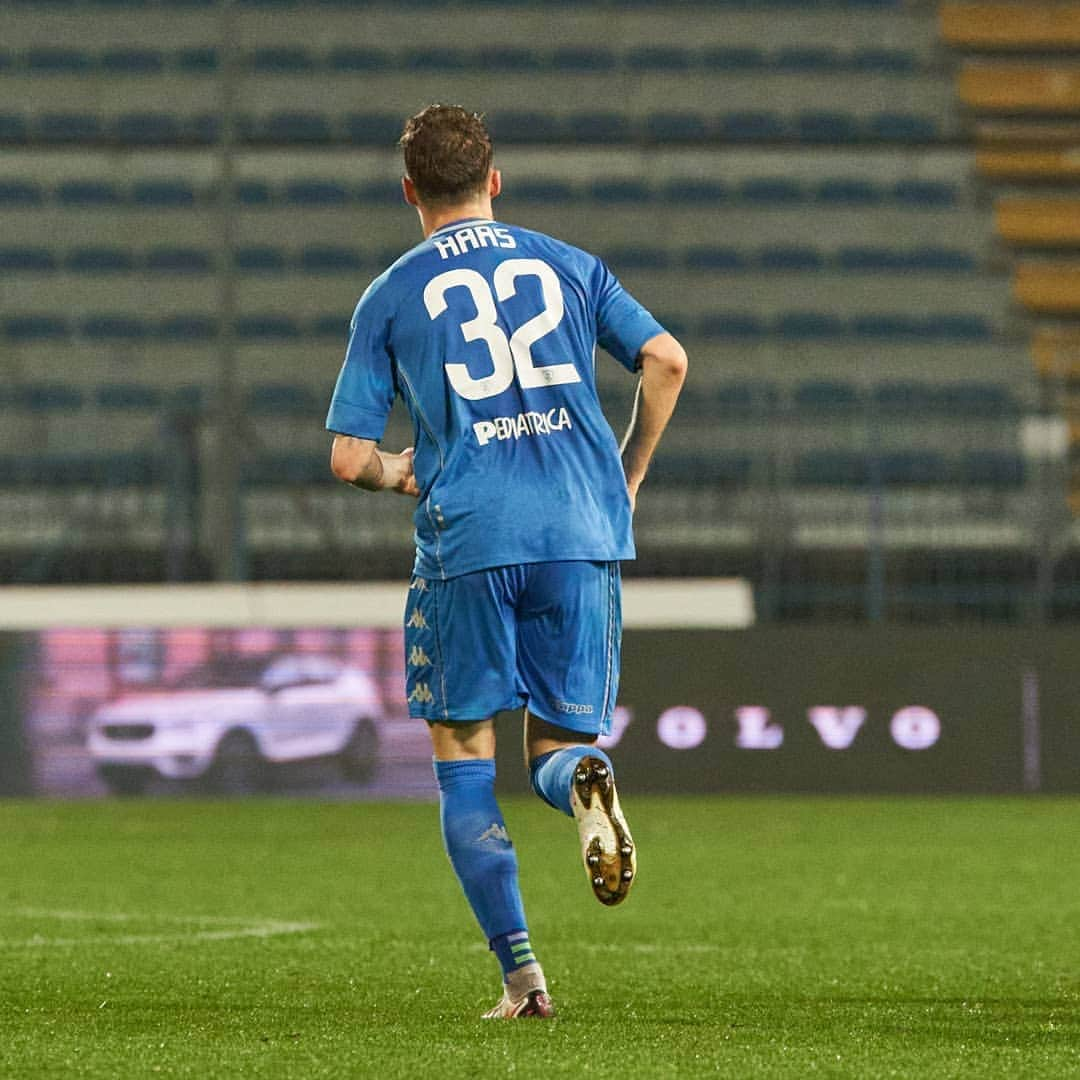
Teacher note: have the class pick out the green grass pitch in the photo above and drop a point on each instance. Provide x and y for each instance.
(765, 938)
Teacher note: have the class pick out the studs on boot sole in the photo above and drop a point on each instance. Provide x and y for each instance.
(628, 874)
(598, 881)
(593, 859)
(626, 850)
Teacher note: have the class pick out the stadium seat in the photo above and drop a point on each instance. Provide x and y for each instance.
(333, 327)
(826, 127)
(925, 193)
(286, 469)
(832, 468)
(959, 327)
(596, 127)
(730, 324)
(113, 328)
(139, 128)
(992, 469)
(316, 193)
(620, 191)
(27, 329)
(826, 395)
(909, 397)
(387, 192)
(665, 58)
(330, 259)
(714, 258)
(869, 259)
(46, 397)
(670, 127)
(744, 398)
(582, 60)
(99, 260)
(373, 129)
(68, 127)
(356, 59)
(131, 62)
(505, 58)
(912, 468)
(268, 327)
(939, 260)
(282, 399)
(178, 329)
(178, 260)
(281, 60)
(886, 326)
(260, 260)
(163, 194)
(539, 191)
(848, 192)
(882, 61)
(253, 193)
(87, 193)
(734, 58)
(978, 399)
(13, 128)
(524, 127)
(435, 60)
(771, 189)
(127, 396)
(808, 326)
(756, 126)
(902, 127)
(790, 258)
(26, 260)
(637, 257)
(294, 126)
(201, 60)
(693, 190)
(57, 61)
(20, 193)
(807, 58)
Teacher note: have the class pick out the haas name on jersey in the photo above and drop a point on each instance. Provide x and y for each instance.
(474, 236)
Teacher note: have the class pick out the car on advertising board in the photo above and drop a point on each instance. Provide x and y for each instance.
(224, 724)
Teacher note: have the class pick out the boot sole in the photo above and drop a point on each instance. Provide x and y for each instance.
(611, 873)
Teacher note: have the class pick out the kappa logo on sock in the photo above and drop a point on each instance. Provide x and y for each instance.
(494, 831)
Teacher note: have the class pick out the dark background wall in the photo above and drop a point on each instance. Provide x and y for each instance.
(846, 709)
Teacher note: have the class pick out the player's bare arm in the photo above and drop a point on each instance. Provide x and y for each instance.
(663, 371)
(361, 463)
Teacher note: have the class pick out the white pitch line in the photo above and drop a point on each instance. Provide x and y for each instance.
(235, 927)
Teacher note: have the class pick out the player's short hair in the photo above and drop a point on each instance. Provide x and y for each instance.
(448, 154)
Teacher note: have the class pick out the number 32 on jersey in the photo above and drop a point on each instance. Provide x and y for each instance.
(508, 356)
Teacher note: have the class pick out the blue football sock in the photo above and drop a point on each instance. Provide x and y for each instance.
(552, 774)
(482, 856)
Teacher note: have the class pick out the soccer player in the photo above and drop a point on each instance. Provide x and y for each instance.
(488, 331)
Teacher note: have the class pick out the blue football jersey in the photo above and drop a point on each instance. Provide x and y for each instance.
(488, 332)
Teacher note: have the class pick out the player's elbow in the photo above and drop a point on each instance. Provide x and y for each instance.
(665, 357)
(347, 459)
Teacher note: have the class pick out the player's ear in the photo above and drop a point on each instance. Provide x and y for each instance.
(494, 183)
(408, 189)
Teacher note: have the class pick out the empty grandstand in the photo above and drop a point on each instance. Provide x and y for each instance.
(855, 213)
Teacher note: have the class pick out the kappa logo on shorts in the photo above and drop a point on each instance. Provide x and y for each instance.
(418, 658)
(573, 707)
(422, 694)
(418, 584)
(417, 620)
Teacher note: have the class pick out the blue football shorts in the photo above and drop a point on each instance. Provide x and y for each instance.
(545, 636)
